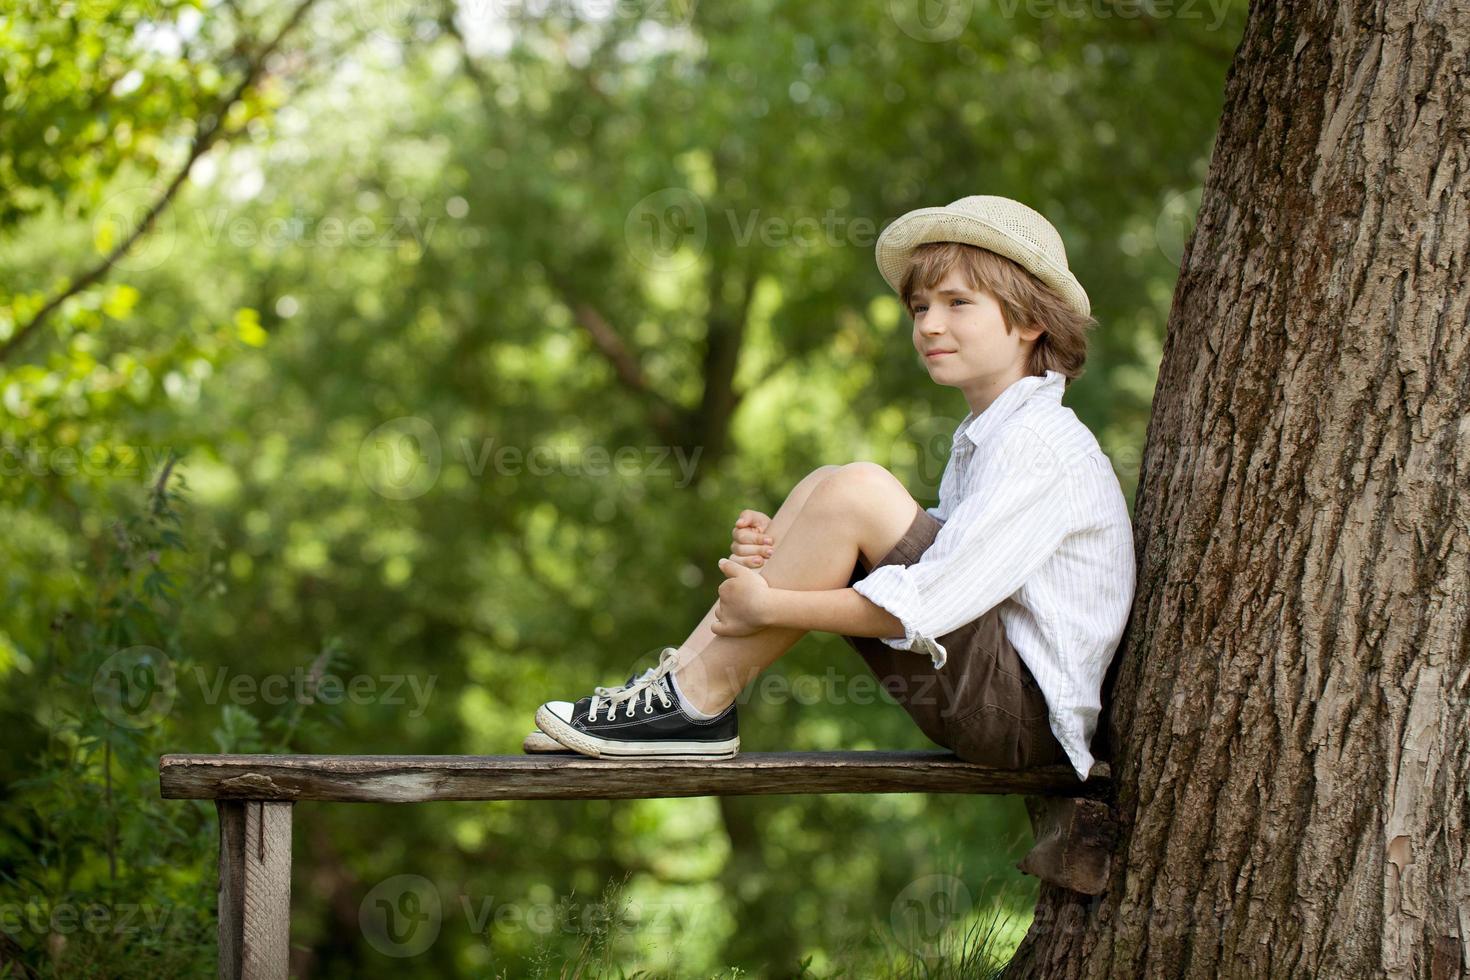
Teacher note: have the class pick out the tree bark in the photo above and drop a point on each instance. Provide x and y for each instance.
(1290, 705)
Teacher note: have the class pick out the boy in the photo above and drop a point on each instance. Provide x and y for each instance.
(992, 617)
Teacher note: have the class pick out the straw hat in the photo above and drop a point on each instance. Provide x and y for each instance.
(999, 224)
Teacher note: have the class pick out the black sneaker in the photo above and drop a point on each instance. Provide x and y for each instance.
(538, 741)
(643, 721)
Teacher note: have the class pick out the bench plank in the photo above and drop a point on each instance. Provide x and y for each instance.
(422, 778)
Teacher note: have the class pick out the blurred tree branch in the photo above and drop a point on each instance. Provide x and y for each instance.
(724, 339)
(672, 422)
(668, 419)
(467, 63)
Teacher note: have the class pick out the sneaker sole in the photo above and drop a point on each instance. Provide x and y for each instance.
(580, 741)
(539, 741)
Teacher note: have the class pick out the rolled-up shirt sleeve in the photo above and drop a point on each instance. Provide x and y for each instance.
(1012, 519)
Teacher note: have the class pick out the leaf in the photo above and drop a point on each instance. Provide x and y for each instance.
(120, 301)
(248, 328)
(238, 730)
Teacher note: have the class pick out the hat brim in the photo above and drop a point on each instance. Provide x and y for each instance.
(909, 231)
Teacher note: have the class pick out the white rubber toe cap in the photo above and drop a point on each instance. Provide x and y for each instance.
(562, 709)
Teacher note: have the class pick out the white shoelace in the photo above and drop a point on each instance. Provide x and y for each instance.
(651, 683)
(613, 689)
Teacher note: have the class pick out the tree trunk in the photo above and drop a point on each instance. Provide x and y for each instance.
(1290, 706)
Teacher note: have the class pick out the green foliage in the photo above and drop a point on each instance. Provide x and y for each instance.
(87, 889)
(372, 330)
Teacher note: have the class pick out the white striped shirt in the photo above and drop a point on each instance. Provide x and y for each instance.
(1035, 522)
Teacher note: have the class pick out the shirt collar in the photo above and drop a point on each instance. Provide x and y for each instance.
(977, 427)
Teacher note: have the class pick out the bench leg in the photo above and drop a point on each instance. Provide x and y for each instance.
(1074, 842)
(254, 889)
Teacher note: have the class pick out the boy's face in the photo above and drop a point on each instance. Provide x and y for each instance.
(967, 324)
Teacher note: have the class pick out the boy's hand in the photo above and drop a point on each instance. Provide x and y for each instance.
(744, 601)
(751, 542)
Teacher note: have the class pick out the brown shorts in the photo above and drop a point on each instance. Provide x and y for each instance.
(983, 704)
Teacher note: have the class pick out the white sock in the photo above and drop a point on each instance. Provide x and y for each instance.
(689, 707)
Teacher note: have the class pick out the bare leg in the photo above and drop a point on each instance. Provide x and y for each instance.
(781, 522)
(860, 510)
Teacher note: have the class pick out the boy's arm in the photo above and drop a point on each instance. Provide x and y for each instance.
(1012, 520)
(831, 611)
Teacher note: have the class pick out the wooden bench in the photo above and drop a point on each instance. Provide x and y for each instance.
(253, 795)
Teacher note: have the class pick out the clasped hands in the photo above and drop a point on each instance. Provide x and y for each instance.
(744, 606)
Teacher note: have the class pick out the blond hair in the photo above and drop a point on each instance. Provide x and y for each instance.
(1024, 300)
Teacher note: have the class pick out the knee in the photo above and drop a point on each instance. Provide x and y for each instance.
(858, 483)
(821, 474)
(804, 487)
